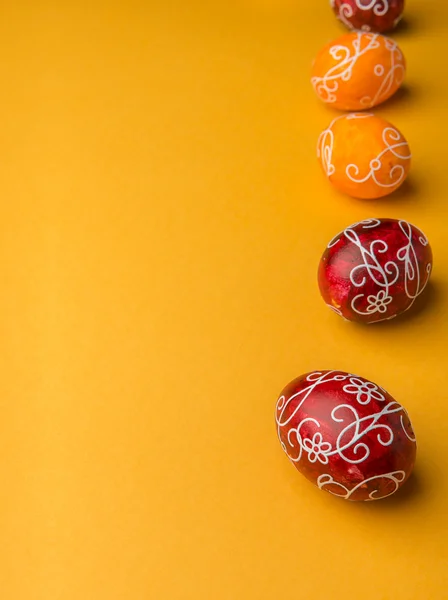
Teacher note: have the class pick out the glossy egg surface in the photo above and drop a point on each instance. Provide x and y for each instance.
(358, 71)
(346, 435)
(364, 156)
(375, 270)
(369, 15)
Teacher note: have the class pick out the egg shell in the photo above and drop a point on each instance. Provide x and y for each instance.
(346, 435)
(363, 155)
(374, 270)
(358, 71)
(369, 15)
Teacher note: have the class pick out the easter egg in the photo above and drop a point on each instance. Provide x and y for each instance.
(374, 270)
(346, 435)
(358, 71)
(369, 15)
(363, 155)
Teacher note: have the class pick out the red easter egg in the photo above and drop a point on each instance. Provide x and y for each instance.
(374, 270)
(346, 435)
(369, 15)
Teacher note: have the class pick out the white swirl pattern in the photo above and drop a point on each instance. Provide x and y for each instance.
(384, 275)
(397, 477)
(393, 141)
(325, 143)
(351, 444)
(367, 224)
(395, 145)
(336, 310)
(346, 58)
(380, 8)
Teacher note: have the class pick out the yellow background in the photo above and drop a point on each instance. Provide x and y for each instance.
(162, 216)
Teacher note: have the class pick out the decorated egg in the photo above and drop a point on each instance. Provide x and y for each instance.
(363, 155)
(358, 71)
(374, 270)
(346, 435)
(369, 15)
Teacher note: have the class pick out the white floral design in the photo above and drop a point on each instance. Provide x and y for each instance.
(365, 390)
(383, 274)
(378, 303)
(317, 448)
(358, 430)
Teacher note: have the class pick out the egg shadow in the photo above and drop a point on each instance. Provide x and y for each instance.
(409, 191)
(405, 94)
(405, 27)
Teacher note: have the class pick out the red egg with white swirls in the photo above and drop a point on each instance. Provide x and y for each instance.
(369, 15)
(375, 270)
(346, 435)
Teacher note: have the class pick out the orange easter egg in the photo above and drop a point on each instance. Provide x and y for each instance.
(363, 155)
(358, 71)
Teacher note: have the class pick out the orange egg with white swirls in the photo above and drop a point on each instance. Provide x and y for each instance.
(358, 71)
(363, 155)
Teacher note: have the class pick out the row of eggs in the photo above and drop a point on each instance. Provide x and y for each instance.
(361, 154)
(343, 432)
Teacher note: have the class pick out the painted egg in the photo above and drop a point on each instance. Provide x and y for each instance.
(363, 155)
(369, 15)
(346, 435)
(374, 270)
(358, 71)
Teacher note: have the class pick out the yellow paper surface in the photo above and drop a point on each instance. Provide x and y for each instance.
(162, 215)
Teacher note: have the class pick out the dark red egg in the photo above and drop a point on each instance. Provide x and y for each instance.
(374, 270)
(369, 15)
(346, 435)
